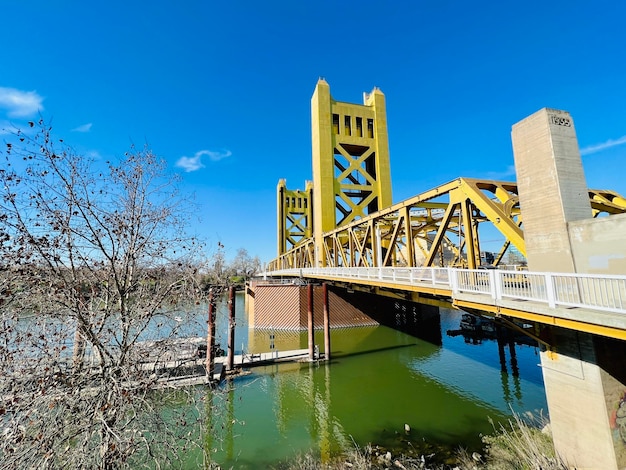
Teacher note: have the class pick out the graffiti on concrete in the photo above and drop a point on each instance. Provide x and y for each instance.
(618, 419)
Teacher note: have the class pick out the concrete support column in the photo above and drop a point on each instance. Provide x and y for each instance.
(379, 248)
(326, 322)
(580, 388)
(551, 186)
(586, 393)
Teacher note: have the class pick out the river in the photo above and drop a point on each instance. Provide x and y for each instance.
(378, 381)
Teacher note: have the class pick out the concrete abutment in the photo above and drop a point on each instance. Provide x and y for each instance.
(583, 373)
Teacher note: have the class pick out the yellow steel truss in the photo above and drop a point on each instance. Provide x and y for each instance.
(294, 216)
(440, 227)
(606, 202)
(351, 171)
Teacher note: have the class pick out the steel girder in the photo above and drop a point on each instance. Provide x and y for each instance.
(440, 227)
(606, 202)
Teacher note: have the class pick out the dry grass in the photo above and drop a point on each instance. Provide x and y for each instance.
(523, 444)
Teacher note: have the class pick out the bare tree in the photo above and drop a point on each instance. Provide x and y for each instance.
(95, 272)
(245, 265)
(221, 273)
(218, 271)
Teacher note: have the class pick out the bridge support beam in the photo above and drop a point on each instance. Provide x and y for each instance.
(586, 392)
(583, 373)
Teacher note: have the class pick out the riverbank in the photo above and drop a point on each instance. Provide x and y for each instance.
(521, 444)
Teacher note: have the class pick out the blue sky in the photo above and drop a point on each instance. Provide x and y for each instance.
(224, 88)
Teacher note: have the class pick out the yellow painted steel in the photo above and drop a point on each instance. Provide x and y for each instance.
(351, 170)
(611, 332)
(606, 202)
(345, 217)
(295, 216)
(440, 227)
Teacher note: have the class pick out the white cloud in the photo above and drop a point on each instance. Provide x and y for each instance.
(83, 128)
(194, 163)
(189, 164)
(605, 145)
(20, 104)
(215, 156)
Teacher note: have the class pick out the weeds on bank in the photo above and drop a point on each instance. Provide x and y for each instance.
(523, 444)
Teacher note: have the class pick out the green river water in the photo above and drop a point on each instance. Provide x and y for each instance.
(378, 380)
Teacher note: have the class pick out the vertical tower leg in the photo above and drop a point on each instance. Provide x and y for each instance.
(351, 169)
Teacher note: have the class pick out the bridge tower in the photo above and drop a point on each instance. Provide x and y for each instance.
(295, 215)
(351, 171)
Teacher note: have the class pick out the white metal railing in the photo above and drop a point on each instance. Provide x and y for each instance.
(597, 292)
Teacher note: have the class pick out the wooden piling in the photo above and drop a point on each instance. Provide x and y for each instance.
(310, 324)
(326, 322)
(230, 362)
(210, 339)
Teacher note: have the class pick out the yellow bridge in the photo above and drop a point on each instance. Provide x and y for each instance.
(566, 240)
(591, 304)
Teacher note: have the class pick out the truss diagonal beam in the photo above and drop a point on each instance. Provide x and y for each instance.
(422, 223)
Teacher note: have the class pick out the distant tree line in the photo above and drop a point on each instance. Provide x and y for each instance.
(219, 272)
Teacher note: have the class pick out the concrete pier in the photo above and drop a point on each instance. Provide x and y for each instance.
(583, 373)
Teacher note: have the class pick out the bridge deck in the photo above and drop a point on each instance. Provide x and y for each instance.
(593, 304)
(598, 322)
